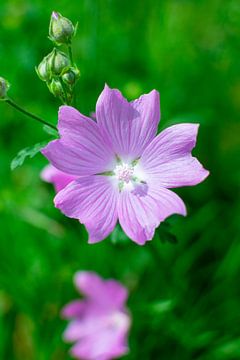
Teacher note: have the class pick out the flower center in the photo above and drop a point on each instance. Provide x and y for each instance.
(124, 172)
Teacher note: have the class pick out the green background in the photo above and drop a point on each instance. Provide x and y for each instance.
(184, 296)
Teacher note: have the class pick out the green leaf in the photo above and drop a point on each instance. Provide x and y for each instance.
(50, 131)
(30, 152)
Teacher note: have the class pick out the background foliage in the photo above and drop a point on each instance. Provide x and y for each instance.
(184, 297)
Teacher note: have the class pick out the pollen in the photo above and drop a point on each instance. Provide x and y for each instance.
(124, 172)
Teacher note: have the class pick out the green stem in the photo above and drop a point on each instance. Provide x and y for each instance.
(72, 64)
(70, 54)
(27, 113)
(64, 92)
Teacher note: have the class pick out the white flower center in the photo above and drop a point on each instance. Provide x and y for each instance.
(124, 172)
(118, 320)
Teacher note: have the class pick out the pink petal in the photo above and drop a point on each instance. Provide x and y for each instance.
(128, 127)
(80, 328)
(81, 149)
(89, 284)
(92, 200)
(107, 342)
(116, 294)
(109, 294)
(58, 178)
(74, 309)
(142, 209)
(168, 158)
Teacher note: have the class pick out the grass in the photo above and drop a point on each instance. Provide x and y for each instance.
(184, 296)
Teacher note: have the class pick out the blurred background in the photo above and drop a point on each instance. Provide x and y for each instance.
(184, 288)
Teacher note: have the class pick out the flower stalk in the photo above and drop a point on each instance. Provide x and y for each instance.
(70, 54)
(29, 114)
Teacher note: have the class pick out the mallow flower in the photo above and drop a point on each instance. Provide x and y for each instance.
(124, 171)
(99, 323)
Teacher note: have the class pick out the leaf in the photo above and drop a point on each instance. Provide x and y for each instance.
(50, 131)
(30, 152)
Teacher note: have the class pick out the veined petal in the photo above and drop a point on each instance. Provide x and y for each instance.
(141, 210)
(148, 107)
(92, 200)
(168, 159)
(128, 127)
(81, 149)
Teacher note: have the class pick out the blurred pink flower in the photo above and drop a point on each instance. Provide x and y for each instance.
(123, 169)
(58, 178)
(99, 323)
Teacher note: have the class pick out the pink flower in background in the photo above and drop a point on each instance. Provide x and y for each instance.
(58, 178)
(99, 323)
(123, 169)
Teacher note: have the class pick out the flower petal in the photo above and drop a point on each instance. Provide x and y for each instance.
(92, 200)
(168, 158)
(107, 339)
(142, 209)
(128, 127)
(116, 294)
(74, 309)
(58, 178)
(81, 149)
(89, 284)
(109, 294)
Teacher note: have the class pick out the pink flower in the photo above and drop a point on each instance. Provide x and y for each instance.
(58, 178)
(124, 170)
(99, 324)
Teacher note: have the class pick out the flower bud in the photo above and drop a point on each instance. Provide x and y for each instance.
(61, 29)
(55, 88)
(4, 87)
(52, 65)
(43, 70)
(71, 76)
(57, 62)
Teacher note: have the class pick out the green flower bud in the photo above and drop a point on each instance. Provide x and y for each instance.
(57, 62)
(61, 29)
(43, 70)
(52, 65)
(71, 76)
(55, 88)
(4, 87)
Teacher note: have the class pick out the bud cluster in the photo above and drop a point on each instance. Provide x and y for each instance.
(57, 68)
